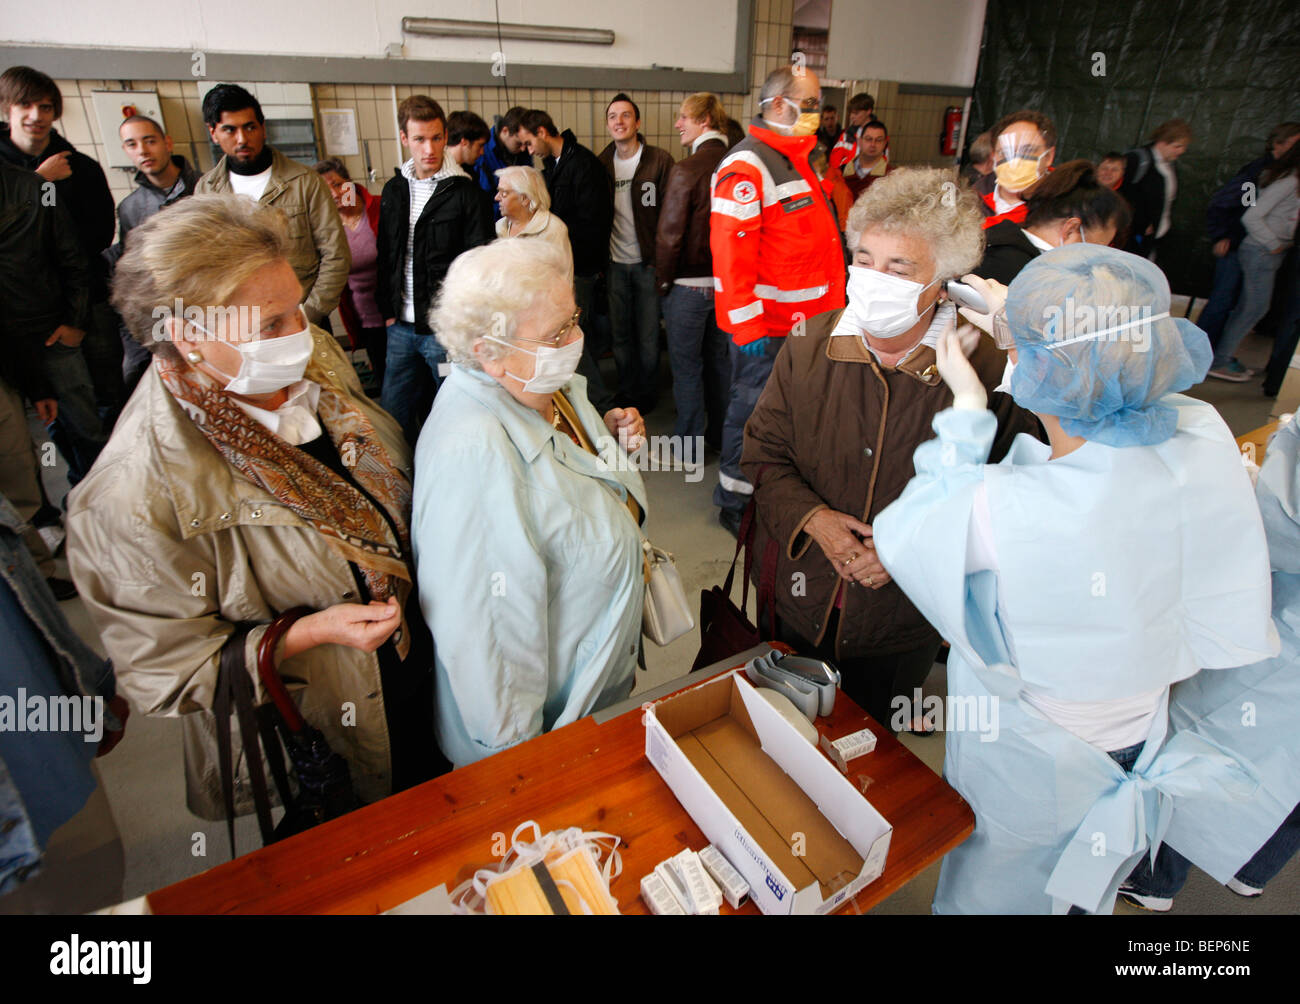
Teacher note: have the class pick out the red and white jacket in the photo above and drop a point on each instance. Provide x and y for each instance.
(776, 250)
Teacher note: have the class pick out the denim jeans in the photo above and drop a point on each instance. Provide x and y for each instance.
(1288, 328)
(102, 350)
(136, 360)
(700, 361)
(1172, 868)
(584, 295)
(1223, 297)
(634, 326)
(748, 378)
(77, 431)
(410, 377)
(1258, 269)
(20, 474)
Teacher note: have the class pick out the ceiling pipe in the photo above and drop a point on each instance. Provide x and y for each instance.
(454, 28)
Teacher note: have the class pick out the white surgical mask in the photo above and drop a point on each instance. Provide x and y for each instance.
(554, 367)
(1005, 385)
(269, 364)
(885, 305)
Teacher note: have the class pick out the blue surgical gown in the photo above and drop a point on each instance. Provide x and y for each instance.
(1253, 711)
(1112, 580)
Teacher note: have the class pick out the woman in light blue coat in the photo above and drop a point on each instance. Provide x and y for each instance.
(1077, 582)
(526, 512)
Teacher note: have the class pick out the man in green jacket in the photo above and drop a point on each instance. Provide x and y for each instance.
(319, 254)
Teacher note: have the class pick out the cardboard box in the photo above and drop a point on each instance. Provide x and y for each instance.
(802, 836)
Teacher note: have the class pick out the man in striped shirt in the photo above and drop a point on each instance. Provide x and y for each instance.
(429, 213)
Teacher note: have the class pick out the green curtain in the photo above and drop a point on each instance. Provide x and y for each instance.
(1230, 69)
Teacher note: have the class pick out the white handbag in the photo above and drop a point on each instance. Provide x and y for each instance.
(667, 613)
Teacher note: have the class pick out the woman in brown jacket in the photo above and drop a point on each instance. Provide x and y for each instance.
(830, 442)
(248, 475)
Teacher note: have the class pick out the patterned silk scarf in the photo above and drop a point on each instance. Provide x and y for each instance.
(347, 520)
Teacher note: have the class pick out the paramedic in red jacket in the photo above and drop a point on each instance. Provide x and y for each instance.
(776, 255)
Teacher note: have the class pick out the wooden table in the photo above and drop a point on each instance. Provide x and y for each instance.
(590, 774)
(1253, 443)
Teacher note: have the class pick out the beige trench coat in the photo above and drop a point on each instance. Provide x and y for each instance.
(171, 547)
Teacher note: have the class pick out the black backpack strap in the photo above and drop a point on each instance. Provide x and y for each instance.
(268, 722)
(235, 687)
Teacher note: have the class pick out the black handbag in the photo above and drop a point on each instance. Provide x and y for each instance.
(323, 783)
(724, 629)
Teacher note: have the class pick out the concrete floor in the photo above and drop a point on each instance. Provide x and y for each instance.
(143, 776)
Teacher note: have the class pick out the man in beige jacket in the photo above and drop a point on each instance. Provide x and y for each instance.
(320, 254)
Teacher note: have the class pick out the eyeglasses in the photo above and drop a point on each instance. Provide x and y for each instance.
(556, 339)
(806, 105)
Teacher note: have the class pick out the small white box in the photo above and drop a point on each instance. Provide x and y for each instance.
(802, 836)
(849, 747)
(733, 887)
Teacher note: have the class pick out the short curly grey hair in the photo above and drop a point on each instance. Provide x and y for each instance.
(486, 290)
(925, 202)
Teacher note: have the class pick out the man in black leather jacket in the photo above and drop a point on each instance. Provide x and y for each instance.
(583, 197)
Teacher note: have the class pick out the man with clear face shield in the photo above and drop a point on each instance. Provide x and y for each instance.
(1024, 147)
(1070, 615)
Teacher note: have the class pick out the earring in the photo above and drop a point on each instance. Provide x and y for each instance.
(194, 357)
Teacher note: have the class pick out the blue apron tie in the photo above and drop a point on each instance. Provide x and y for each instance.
(1134, 815)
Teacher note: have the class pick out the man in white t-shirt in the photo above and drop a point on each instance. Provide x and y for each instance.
(320, 255)
(639, 173)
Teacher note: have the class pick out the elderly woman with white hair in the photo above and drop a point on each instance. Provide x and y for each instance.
(527, 512)
(526, 210)
(1076, 581)
(831, 439)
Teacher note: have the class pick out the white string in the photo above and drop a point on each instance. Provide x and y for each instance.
(471, 895)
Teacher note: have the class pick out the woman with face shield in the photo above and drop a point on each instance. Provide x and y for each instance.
(527, 510)
(830, 442)
(250, 475)
(1076, 585)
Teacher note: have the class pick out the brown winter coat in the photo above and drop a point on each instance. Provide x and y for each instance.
(834, 429)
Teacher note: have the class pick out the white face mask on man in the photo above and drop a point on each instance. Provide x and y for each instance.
(554, 367)
(885, 305)
(268, 364)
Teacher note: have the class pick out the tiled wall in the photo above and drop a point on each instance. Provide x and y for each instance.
(179, 100)
(914, 120)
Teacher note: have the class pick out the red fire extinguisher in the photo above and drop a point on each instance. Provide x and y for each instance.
(951, 130)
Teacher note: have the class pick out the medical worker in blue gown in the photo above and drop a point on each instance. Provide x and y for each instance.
(1253, 711)
(1077, 582)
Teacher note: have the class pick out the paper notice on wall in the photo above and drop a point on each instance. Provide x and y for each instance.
(340, 127)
